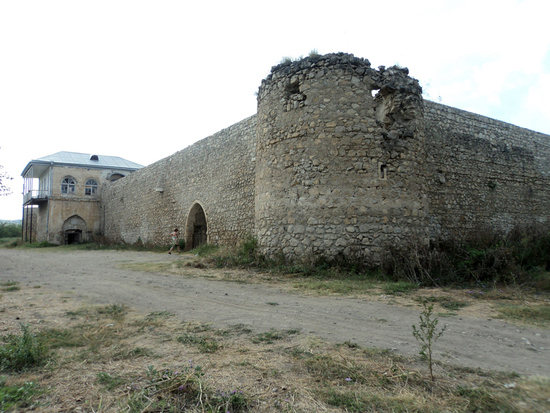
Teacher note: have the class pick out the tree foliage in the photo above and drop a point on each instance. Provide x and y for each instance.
(4, 189)
(10, 230)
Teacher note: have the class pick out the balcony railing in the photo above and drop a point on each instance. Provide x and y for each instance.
(36, 195)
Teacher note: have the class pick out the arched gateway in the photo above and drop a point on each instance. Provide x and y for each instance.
(196, 230)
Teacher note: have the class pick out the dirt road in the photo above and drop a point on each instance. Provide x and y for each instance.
(97, 277)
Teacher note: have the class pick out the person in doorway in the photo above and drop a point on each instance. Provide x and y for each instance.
(175, 241)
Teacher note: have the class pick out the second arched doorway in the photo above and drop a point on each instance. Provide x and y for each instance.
(196, 228)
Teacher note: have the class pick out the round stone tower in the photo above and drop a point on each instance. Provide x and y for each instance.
(339, 159)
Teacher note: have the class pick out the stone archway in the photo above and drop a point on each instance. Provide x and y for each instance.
(74, 230)
(196, 230)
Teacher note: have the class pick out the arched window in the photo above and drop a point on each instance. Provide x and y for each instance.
(91, 187)
(68, 186)
(115, 177)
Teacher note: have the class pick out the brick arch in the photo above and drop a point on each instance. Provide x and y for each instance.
(196, 228)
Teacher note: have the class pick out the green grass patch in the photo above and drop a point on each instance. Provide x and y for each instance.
(269, 337)
(205, 249)
(93, 246)
(58, 338)
(116, 312)
(124, 354)
(353, 401)
(10, 242)
(204, 344)
(534, 314)
(153, 267)
(22, 352)
(449, 304)
(349, 285)
(110, 382)
(400, 287)
(41, 244)
(10, 285)
(479, 399)
(15, 398)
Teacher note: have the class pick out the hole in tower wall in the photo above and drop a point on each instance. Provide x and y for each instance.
(374, 92)
(294, 99)
(383, 171)
(293, 88)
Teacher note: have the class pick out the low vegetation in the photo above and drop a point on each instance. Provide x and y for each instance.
(482, 260)
(9, 230)
(521, 257)
(22, 352)
(112, 359)
(10, 233)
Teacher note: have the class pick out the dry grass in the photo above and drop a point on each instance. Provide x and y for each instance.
(102, 356)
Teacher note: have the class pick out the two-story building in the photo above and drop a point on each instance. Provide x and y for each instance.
(61, 195)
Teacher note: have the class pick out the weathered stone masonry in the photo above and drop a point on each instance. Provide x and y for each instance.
(341, 159)
(216, 173)
(483, 173)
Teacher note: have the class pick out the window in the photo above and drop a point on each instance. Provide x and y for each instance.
(115, 177)
(68, 186)
(91, 187)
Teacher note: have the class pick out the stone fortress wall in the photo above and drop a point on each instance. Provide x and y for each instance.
(340, 159)
(483, 173)
(215, 176)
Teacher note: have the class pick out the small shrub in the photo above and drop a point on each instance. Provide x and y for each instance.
(313, 53)
(286, 60)
(244, 254)
(427, 334)
(115, 311)
(181, 391)
(22, 352)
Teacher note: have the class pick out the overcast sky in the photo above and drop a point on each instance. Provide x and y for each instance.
(144, 79)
